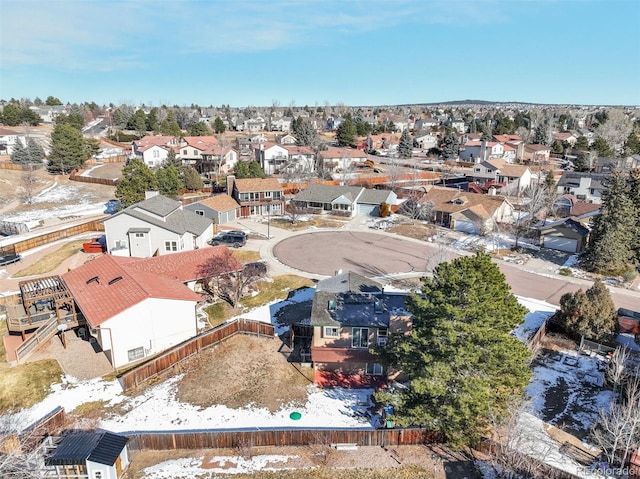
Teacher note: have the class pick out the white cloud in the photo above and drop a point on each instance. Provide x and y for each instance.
(105, 36)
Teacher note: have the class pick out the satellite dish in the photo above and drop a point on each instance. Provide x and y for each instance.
(62, 327)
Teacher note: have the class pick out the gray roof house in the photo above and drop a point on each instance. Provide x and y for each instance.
(585, 186)
(350, 314)
(343, 200)
(156, 226)
(568, 235)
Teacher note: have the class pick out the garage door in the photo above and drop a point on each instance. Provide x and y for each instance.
(466, 226)
(561, 244)
(366, 209)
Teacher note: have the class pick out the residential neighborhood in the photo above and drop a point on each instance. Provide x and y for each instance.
(319, 239)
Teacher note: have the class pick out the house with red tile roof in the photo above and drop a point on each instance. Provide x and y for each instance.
(192, 147)
(256, 196)
(220, 209)
(154, 150)
(272, 157)
(156, 226)
(132, 314)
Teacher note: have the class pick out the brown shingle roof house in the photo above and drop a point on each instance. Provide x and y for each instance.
(468, 212)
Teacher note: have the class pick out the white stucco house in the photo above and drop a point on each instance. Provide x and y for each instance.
(271, 156)
(154, 150)
(9, 139)
(139, 307)
(584, 186)
(502, 174)
(476, 151)
(156, 226)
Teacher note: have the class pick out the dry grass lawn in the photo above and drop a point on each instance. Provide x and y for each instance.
(416, 231)
(52, 260)
(228, 374)
(246, 256)
(314, 221)
(25, 385)
(278, 288)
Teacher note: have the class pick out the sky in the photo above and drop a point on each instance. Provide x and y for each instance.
(318, 52)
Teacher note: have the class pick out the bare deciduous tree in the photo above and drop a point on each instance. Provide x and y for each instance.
(21, 454)
(233, 285)
(617, 430)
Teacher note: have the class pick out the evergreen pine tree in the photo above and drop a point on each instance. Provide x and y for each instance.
(168, 178)
(634, 194)
(255, 170)
(68, 149)
(609, 249)
(463, 362)
(20, 154)
(137, 178)
(346, 133)
(591, 314)
(451, 147)
(241, 170)
(191, 178)
(405, 145)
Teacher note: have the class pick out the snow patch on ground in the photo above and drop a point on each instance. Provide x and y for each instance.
(194, 467)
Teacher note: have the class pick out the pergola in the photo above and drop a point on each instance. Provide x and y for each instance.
(47, 293)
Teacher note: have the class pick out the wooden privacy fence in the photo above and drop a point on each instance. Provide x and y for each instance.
(90, 179)
(534, 342)
(51, 424)
(157, 441)
(179, 353)
(27, 244)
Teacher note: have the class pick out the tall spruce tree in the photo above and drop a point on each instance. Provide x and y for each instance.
(168, 178)
(405, 145)
(451, 148)
(68, 149)
(609, 249)
(19, 154)
(346, 132)
(136, 179)
(463, 362)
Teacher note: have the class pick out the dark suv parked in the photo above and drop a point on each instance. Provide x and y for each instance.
(234, 239)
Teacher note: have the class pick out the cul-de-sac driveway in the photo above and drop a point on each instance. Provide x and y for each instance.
(323, 253)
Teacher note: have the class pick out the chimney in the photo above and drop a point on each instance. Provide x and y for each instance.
(230, 182)
(150, 194)
(492, 191)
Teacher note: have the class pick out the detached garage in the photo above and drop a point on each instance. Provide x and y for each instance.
(566, 235)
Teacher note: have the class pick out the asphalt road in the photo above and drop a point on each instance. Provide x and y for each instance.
(375, 254)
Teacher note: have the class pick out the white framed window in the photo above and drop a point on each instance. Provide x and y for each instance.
(195, 152)
(139, 235)
(382, 336)
(156, 154)
(137, 353)
(171, 246)
(97, 475)
(360, 337)
(267, 194)
(199, 212)
(331, 332)
(185, 152)
(373, 369)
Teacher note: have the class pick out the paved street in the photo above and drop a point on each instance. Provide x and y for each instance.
(320, 253)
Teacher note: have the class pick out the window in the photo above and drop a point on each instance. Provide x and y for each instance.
(477, 170)
(195, 152)
(331, 332)
(267, 194)
(139, 235)
(97, 475)
(185, 152)
(360, 338)
(382, 336)
(171, 246)
(373, 369)
(200, 212)
(156, 154)
(137, 353)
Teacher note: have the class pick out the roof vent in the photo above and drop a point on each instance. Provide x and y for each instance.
(95, 278)
(115, 280)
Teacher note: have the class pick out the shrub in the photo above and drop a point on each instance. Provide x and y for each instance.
(564, 271)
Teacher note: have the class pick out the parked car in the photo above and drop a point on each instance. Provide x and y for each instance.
(230, 239)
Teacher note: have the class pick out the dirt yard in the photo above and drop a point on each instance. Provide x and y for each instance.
(244, 370)
(324, 462)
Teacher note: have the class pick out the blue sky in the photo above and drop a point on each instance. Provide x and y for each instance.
(308, 52)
